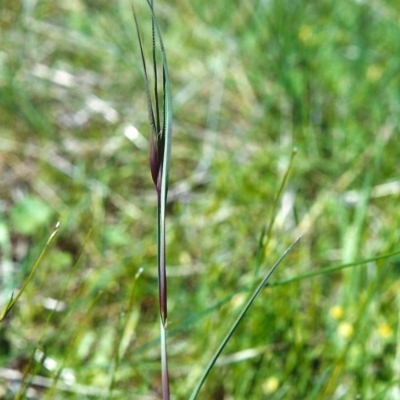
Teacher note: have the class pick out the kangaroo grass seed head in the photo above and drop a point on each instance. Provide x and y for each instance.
(160, 150)
(157, 146)
(156, 160)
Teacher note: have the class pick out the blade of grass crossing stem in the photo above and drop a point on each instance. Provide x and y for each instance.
(238, 320)
(188, 322)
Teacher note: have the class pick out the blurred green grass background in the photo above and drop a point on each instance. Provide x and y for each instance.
(250, 81)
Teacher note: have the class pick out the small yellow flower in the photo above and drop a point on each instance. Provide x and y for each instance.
(345, 329)
(270, 385)
(385, 331)
(305, 33)
(238, 300)
(336, 312)
(184, 258)
(374, 72)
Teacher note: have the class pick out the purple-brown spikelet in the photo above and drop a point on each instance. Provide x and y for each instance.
(154, 161)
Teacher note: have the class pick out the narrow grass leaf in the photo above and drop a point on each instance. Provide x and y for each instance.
(238, 320)
(267, 235)
(34, 367)
(13, 300)
(327, 270)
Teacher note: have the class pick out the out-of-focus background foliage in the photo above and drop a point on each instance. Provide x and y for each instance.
(250, 80)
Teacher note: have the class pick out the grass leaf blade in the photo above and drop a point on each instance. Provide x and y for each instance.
(13, 299)
(238, 320)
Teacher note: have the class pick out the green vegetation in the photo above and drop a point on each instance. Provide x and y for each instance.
(250, 81)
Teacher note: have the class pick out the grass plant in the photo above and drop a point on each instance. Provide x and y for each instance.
(160, 155)
(247, 89)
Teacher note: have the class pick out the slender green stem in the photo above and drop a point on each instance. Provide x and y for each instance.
(164, 362)
(162, 277)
